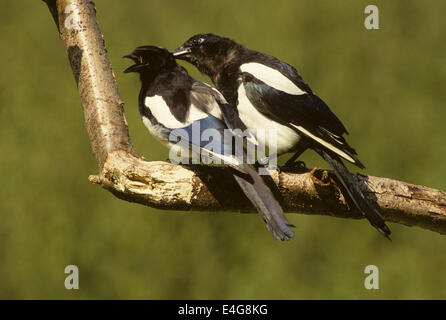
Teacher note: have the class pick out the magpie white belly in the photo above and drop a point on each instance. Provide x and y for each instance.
(264, 128)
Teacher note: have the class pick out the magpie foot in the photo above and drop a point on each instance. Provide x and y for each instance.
(296, 165)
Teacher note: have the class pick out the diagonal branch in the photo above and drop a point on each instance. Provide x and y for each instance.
(167, 186)
(102, 105)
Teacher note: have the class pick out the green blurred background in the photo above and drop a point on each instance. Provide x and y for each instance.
(386, 85)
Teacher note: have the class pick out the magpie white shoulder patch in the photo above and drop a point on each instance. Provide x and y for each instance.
(271, 77)
(161, 111)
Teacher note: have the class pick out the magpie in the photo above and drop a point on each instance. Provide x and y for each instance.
(270, 94)
(172, 103)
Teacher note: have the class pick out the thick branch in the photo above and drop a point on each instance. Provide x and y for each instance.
(167, 186)
(102, 105)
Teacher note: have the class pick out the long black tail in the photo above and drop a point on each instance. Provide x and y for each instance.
(263, 199)
(355, 193)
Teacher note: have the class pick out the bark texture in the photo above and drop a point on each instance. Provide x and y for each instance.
(207, 188)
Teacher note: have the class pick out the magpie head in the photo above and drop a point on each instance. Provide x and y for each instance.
(208, 52)
(150, 60)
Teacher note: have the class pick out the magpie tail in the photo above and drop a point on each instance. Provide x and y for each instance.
(355, 193)
(264, 201)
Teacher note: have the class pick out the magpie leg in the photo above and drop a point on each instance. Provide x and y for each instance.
(291, 162)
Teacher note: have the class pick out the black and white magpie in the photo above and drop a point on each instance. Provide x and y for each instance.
(270, 94)
(171, 103)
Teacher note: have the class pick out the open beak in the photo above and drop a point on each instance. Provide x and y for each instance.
(131, 56)
(136, 66)
(181, 52)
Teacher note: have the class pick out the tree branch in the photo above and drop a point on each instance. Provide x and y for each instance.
(207, 188)
(102, 105)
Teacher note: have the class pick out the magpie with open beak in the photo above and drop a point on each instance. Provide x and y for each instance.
(171, 102)
(270, 94)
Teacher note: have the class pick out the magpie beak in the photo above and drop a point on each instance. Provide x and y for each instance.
(138, 63)
(181, 52)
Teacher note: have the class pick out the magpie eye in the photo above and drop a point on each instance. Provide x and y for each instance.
(199, 41)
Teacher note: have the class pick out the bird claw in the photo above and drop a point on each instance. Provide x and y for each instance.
(296, 165)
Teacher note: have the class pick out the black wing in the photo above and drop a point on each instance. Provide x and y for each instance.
(298, 108)
(307, 114)
(204, 95)
(212, 101)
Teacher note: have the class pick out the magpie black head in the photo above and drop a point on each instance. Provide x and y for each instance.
(150, 60)
(208, 52)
